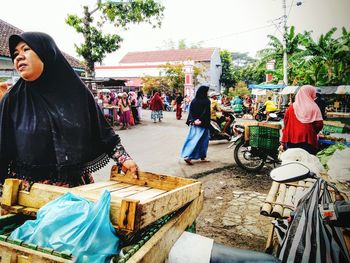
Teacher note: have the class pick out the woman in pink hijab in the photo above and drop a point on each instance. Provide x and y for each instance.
(302, 121)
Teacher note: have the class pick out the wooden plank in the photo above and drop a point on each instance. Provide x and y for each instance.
(94, 186)
(148, 194)
(154, 209)
(10, 191)
(158, 247)
(112, 188)
(164, 182)
(124, 192)
(128, 214)
(10, 253)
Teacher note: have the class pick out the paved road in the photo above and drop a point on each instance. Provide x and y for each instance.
(156, 148)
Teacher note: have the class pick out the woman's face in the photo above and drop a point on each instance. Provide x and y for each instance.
(27, 63)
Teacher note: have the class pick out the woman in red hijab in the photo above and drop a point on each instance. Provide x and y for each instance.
(156, 106)
(302, 121)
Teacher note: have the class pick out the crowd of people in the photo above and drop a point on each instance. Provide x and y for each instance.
(63, 160)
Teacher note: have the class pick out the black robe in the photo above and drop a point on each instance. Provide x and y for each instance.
(200, 108)
(51, 128)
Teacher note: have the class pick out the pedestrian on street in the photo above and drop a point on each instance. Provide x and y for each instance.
(51, 129)
(139, 104)
(125, 111)
(198, 120)
(302, 122)
(179, 99)
(157, 107)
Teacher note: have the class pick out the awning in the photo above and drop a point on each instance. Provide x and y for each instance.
(289, 90)
(343, 89)
(259, 92)
(326, 90)
(265, 86)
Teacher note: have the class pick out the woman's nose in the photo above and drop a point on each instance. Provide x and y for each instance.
(19, 56)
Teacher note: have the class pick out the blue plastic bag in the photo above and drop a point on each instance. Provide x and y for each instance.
(74, 224)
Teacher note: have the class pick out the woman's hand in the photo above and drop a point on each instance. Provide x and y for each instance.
(131, 166)
(281, 148)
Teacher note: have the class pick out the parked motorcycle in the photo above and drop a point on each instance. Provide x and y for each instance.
(248, 157)
(273, 116)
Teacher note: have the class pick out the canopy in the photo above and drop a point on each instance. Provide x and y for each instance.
(343, 89)
(105, 90)
(326, 90)
(265, 86)
(289, 90)
(259, 92)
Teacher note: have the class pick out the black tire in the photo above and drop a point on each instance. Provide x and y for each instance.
(259, 117)
(243, 158)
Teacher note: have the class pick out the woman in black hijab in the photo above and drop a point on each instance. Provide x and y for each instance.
(197, 141)
(51, 129)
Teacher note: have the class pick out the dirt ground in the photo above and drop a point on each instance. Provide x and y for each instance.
(218, 188)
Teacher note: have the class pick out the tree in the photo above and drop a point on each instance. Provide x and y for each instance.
(96, 44)
(322, 56)
(227, 77)
(170, 44)
(151, 83)
(275, 52)
(241, 60)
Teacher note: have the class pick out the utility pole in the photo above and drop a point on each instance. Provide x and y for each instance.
(285, 58)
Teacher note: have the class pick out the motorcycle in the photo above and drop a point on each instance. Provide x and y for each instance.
(251, 159)
(273, 116)
(215, 130)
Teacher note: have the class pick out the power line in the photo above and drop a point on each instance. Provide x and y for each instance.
(237, 33)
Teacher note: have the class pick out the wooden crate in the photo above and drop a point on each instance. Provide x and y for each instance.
(135, 203)
(155, 250)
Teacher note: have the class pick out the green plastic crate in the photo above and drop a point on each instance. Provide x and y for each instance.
(327, 129)
(264, 137)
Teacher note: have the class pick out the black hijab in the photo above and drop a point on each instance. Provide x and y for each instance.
(51, 126)
(200, 107)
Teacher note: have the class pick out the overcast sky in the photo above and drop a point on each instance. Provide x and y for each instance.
(235, 25)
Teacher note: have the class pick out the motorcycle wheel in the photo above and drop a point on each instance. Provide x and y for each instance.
(244, 158)
(259, 117)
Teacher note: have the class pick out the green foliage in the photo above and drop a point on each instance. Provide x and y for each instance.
(227, 78)
(121, 14)
(321, 63)
(240, 89)
(175, 75)
(154, 83)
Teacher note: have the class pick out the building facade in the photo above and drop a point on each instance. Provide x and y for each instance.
(135, 65)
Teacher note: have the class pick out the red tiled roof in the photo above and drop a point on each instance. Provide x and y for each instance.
(6, 30)
(196, 54)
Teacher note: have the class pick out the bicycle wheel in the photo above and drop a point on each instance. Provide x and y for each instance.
(248, 160)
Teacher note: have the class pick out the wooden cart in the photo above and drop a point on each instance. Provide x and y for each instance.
(135, 205)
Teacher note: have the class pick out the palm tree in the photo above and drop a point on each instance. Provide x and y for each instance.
(322, 56)
(275, 52)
